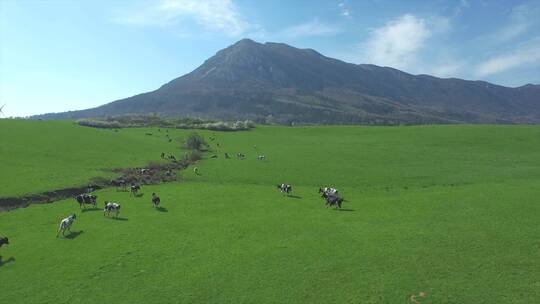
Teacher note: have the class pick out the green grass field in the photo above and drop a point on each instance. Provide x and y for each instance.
(452, 211)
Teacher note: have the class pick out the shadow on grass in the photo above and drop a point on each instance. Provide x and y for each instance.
(138, 194)
(344, 209)
(74, 234)
(10, 260)
(91, 209)
(295, 196)
(162, 209)
(118, 218)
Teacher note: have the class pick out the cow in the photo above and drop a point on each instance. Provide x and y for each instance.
(162, 155)
(65, 224)
(120, 185)
(285, 188)
(135, 189)
(261, 157)
(111, 207)
(155, 200)
(4, 240)
(86, 199)
(196, 171)
(328, 191)
(240, 155)
(144, 171)
(333, 200)
(227, 155)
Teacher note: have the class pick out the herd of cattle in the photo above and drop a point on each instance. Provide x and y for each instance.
(330, 195)
(109, 207)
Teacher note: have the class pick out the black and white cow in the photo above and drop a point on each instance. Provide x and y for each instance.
(333, 200)
(86, 199)
(155, 200)
(240, 155)
(285, 188)
(65, 224)
(328, 191)
(144, 171)
(135, 189)
(111, 207)
(4, 241)
(120, 184)
(261, 157)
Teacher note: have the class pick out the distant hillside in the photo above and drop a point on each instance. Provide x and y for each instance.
(277, 83)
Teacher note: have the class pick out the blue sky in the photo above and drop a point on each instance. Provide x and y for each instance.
(67, 55)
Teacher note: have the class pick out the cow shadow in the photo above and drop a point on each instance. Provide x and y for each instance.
(74, 234)
(162, 209)
(90, 209)
(10, 260)
(118, 218)
(344, 209)
(138, 194)
(295, 196)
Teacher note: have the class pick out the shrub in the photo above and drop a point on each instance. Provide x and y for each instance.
(195, 142)
(99, 124)
(195, 155)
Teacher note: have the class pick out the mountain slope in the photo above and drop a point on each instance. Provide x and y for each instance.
(274, 82)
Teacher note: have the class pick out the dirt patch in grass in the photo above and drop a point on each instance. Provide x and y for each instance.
(10, 203)
(153, 173)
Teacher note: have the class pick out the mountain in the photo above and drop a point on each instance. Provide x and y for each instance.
(277, 83)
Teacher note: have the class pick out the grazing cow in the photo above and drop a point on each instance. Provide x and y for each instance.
(227, 155)
(86, 199)
(144, 171)
(120, 184)
(135, 189)
(4, 240)
(285, 188)
(333, 200)
(196, 171)
(155, 200)
(261, 157)
(328, 191)
(111, 207)
(171, 157)
(240, 155)
(65, 224)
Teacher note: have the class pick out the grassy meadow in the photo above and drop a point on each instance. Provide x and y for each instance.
(451, 211)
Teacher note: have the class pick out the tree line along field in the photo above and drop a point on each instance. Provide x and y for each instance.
(449, 211)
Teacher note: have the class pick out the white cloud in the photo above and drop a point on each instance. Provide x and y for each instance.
(213, 15)
(312, 28)
(526, 55)
(397, 43)
(344, 11)
(522, 18)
